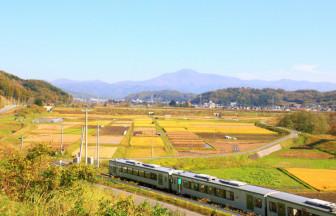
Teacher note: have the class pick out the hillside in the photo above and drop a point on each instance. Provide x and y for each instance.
(28, 91)
(185, 80)
(161, 96)
(265, 97)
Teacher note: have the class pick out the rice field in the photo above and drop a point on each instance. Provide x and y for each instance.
(147, 142)
(322, 179)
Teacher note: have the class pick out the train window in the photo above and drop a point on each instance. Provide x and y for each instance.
(129, 170)
(186, 184)
(165, 179)
(114, 169)
(220, 193)
(273, 207)
(202, 188)
(294, 212)
(195, 186)
(135, 172)
(125, 169)
(147, 175)
(258, 203)
(160, 179)
(230, 195)
(281, 209)
(211, 190)
(141, 173)
(153, 176)
(120, 169)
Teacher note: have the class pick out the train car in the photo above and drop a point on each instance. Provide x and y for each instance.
(235, 194)
(230, 193)
(149, 174)
(285, 204)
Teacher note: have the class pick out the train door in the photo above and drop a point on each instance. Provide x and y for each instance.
(249, 202)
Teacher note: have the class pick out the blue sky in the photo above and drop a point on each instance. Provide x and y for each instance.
(136, 40)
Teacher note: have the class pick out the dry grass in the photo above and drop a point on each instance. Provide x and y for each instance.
(323, 179)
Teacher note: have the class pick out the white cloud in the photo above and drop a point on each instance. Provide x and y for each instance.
(305, 67)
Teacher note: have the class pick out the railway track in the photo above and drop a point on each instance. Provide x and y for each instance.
(173, 196)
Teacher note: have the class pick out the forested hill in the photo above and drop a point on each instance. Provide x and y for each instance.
(29, 91)
(265, 97)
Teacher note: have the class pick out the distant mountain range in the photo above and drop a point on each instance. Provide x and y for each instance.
(186, 81)
(161, 96)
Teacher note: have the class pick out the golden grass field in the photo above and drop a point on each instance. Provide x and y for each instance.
(145, 152)
(322, 179)
(212, 126)
(105, 151)
(147, 142)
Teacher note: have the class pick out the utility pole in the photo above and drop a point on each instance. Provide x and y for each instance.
(81, 144)
(62, 146)
(86, 134)
(97, 150)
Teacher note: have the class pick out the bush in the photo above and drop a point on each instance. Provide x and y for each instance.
(314, 123)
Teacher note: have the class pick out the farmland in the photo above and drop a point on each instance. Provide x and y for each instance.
(132, 133)
(325, 180)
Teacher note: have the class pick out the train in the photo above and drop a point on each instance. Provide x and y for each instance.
(234, 194)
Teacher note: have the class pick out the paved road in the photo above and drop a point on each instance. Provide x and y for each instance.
(7, 108)
(138, 199)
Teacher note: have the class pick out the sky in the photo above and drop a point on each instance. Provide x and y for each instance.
(137, 40)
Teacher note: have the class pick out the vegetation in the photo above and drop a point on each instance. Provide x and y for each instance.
(31, 185)
(30, 91)
(267, 97)
(314, 123)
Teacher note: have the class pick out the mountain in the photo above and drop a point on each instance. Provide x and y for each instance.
(28, 91)
(185, 80)
(266, 97)
(161, 96)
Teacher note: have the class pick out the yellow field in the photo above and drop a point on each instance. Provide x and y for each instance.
(147, 142)
(212, 126)
(143, 122)
(105, 152)
(322, 179)
(145, 152)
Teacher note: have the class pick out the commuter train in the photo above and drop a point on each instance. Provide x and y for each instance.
(234, 194)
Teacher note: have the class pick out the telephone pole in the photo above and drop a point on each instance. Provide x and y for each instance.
(86, 134)
(62, 139)
(81, 144)
(97, 147)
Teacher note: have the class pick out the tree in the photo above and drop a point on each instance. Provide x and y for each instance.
(38, 102)
(315, 123)
(172, 103)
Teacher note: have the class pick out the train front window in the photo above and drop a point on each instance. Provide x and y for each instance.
(258, 203)
(294, 212)
(273, 207)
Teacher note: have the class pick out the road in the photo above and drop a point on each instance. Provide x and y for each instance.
(7, 108)
(138, 199)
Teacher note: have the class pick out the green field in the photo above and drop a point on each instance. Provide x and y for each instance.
(269, 177)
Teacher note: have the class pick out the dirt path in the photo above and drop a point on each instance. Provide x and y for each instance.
(138, 199)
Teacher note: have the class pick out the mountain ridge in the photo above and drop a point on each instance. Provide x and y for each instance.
(186, 81)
